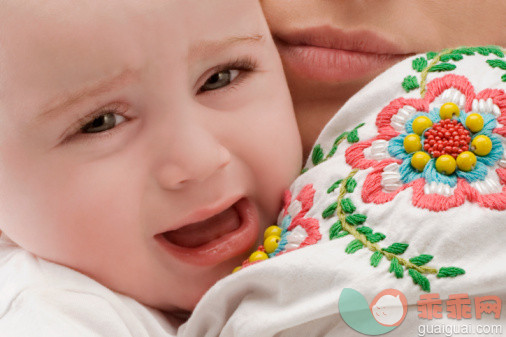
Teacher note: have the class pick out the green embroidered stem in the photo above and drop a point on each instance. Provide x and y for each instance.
(445, 56)
(425, 72)
(351, 136)
(341, 214)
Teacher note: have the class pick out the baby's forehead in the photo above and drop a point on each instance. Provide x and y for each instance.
(50, 46)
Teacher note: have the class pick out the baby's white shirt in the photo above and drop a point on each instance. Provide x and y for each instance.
(43, 299)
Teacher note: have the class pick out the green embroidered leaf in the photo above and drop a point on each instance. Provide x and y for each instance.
(340, 137)
(336, 143)
(465, 51)
(335, 229)
(376, 258)
(376, 237)
(350, 185)
(497, 64)
(334, 186)
(332, 151)
(397, 248)
(451, 57)
(396, 268)
(442, 67)
(431, 55)
(353, 246)
(421, 259)
(503, 78)
(341, 234)
(304, 170)
(482, 51)
(347, 205)
(420, 279)
(419, 64)
(364, 230)
(496, 51)
(329, 211)
(356, 219)
(317, 156)
(410, 83)
(353, 136)
(450, 272)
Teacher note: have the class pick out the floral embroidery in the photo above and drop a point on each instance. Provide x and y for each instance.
(354, 224)
(297, 230)
(440, 62)
(393, 164)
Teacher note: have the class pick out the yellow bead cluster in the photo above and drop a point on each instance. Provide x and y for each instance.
(413, 142)
(466, 161)
(272, 236)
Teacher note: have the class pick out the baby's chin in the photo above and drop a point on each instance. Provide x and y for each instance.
(191, 294)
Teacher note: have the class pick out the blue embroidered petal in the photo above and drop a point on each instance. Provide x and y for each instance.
(490, 123)
(462, 118)
(432, 175)
(396, 147)
(408, 173)
(433, 116)
(495, 154)
(286, 222)
(479, 172)
(281, 245)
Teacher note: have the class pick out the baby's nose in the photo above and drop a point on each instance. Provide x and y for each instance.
(195, 163)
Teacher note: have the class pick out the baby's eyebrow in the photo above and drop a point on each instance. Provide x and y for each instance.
(210, 47)
(103, 86)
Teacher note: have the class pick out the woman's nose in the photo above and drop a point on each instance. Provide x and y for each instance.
(195, 157)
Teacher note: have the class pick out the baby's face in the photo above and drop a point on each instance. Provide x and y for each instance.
(143, 143)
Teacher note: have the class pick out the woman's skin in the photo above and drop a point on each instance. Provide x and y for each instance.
(332, 48)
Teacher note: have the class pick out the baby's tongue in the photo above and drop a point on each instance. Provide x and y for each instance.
(200, 233)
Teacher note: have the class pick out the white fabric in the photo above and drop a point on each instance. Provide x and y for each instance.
(296, 294)
(43, 299)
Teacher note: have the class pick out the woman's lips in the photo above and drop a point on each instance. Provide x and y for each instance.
(331, 55)
(221, 237)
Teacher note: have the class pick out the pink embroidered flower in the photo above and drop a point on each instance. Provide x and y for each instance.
(297, 230)
(433, 139)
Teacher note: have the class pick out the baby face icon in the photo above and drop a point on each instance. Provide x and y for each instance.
(389, 307)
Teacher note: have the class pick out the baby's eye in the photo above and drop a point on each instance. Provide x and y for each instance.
(219, 79)
(103, 123)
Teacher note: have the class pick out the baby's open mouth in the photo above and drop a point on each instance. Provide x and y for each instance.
(202, 232)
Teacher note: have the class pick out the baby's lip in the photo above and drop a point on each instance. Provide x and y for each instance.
(202, 232)
(227, 233)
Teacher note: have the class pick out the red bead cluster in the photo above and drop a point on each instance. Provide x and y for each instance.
(448, 136)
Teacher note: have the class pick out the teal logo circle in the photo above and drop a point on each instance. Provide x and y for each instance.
(385, 313)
